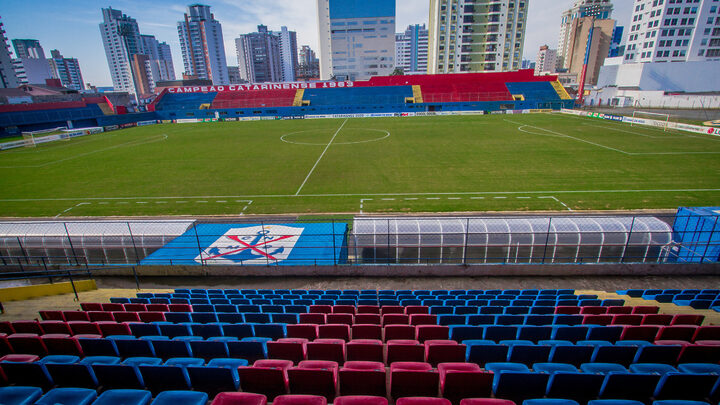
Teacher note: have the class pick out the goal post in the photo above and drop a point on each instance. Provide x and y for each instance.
(661, 120)
(29, 139)
(29, 136)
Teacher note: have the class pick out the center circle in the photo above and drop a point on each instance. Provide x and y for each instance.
(286, 138)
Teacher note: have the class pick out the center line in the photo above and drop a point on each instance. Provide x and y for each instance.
(321, 156)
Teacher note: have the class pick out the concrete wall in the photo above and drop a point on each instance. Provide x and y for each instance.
(668, 76)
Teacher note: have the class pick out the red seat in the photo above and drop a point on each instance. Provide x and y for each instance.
(417, 309)
(320, 309)
(55, 327)
(677, 332)
(300, 400)
(97, 316)
(84, 328)
(112, 307)
(619, 310)
(627, 319)
(347, 319)
(392, 309)
(395, 319)
(135, 307)
(360, 400)
(177, 307)
(76, 316)
(645, 309)
(91, 306)
(114, 328)
(334, 331)
(239, 398)
(444, 351)
(364, 350)
(302, 331)
(20, 358)
(52, 316)
(423, 319)
(368, 319)
(154, 316)
(317, 319)
(126, 316)
(656, 319)
(567, 310)
(62, 344)
(343, 309)
(365, 331)
(159, 308)
(362, 378)
(464, 380)
(486, 401)
(270, 380)
(6, 328)
(27, 327)
(432, 332)
(422, 401)
(709, 332)
(292, 349)
(593, 319)
(593, 310)
(404, 350)
(5, 347)
(27, 343)
(368, 309)
(687, 319)
(326, 349)
(402, 332)
(314, 377)
(412, 379)
(642, 332)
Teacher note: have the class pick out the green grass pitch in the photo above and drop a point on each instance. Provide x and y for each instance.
(379, 165)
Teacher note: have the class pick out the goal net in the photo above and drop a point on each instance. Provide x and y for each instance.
(29, 136)
(659, 120)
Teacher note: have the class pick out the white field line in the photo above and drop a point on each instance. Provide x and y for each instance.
(131, 143)
(321, 156)
(555, 198)
(363, 200)
(76, 205)
(613, 128)
(469, 193)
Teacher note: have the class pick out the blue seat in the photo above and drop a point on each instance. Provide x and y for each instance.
(539, 319)
(177, 317)
(666, 354)
(535, 333)
(214, 380)
(239, 331)
(207, 349)
(451, 319)
(296, 309)
(573, 333)
(68, 396)
(461, 333)
(527, 352)
(498, 333)
(230, 317)
(142, 361)
(79, 375)
(636, 386)
(519, 386)
(27, 374)
(59, 359)
(144, 329)
(647, 368)
(542, 310)
(614, 402)
(257, 318)
(133, 347)
(173, 330)
(699, 368)
(571, 354)
(185, 362)
(485, 351)
(284, 318)
(206, 330)
(465, 310)
(679, 402)
(696, 387)
(510, 320)
(504, 366)
(20, 395)
(181, 397)
(481, 319)
(608, 333)
(610, 353)
(98, 347)
(117, 376)
(164, 378)
(551, 368)
(564, 319)
(602, 368)
(166, 349)
(273, 331)
(251, 350)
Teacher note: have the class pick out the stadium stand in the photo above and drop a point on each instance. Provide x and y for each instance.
(262, 98)
(320, 346)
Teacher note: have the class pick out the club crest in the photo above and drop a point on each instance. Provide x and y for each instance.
(268, 244)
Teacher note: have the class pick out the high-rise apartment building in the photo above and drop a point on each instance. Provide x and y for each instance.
(357, 38)
(546, 60)
(121, 39)
(201, 41)
(411, 49)
(30, 64)
(28, 48)
(673, 31)
(159, 57)
(7, 73)
(288, 54)
(234, 75)
(258, 55)
(476, 36)
(309, 64)
(600, 9)
(589, 37)
(67, 70)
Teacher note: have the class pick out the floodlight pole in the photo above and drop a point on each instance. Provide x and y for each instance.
(583, 74)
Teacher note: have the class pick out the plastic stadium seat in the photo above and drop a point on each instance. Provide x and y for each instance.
(685, 386)
(687, 319)
(292, 349)
(627, 319)
(84, 328)
(55, 327)
(27, 343)
(247, 348)
(518, 385)
(620, 310)
(74, 396)
(526, 352)
(422, 401)
(642, 332)
(314, 377)
(270, 380)
(432, 332)
(679, 402)
(125, 397)
(423, 319)
(699, 353)
(677, 332)
(409, 379)
(117, 376)
(574, 385)
(213, 380)
(300, 400)
(417, 309)
(550, 401)
(444, 351)
(464, 380)
(181, 397)
(346, 319)
(499, 333)
(362, 378)
(312, 318)
(633, 386)
(395, 319)
(305, 331)
(239, 398)
(360, 400)
(710, 332)
(398, 332)
(487, 401)
(62, 344)
(77, 315)
(334, 331)
(364, 350)
(20, 395)
(404, 350)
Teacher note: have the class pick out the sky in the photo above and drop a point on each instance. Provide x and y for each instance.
(71, 26)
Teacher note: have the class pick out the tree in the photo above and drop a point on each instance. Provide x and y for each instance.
(397, 72)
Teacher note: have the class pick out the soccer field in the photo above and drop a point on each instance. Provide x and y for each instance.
(374, 165)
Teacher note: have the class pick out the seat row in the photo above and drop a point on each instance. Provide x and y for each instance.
(697, 299)
(23, 395)
(477, 350)
(529, 292)
(451, 380)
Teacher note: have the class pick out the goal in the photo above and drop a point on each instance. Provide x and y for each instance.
(659, 120)
(29, 136)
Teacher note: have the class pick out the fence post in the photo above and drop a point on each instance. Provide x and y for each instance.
(627, 242)
(197, 239)
(547, 240)
(333, 240)
(137, 281)
(72, 283)
(22, 249)
(709, 241)
(132, 238)
(72, 248)
(267, 258)
(467, 235)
